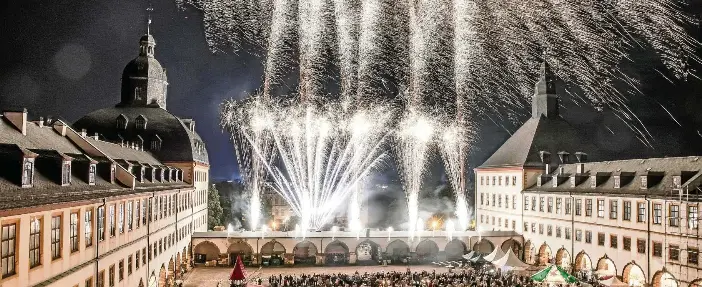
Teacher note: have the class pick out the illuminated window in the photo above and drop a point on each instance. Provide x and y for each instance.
(8, 260)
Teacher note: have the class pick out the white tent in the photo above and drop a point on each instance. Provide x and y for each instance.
(613, 282)
(496, 254)
(510, 261)
(469, 255)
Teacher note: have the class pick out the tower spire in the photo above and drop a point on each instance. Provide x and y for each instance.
(545, 100)
(148, 24)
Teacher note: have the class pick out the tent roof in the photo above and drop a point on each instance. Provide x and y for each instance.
(510, 260)
(496, 254)
(553, 274)
(239, 273)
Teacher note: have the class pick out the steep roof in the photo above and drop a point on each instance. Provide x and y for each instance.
(179, 142)
(540, 134)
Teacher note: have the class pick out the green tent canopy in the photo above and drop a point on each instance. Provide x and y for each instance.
(553, 274)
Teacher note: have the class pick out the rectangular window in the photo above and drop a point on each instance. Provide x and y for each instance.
(130, 216)
(568, 205)
(111, 275)
(578, 235)
(674, 252)
(137, 213)
(120, 218)
(559, 201)
(578, 206)
(567, 233)
(35, 243)
(533, 203)
(693, 255)
(588, 236)
(130, 260)
(657, 249)
(641, 213)
(626, 243)
(113, 224)
(526, 227)
(56, 237)
(482, 199)
(600, 239)
(541, 203)
(101, 279)
(657, 213)
(121, 270)
(89, 282)
(9, 247)
(506, 180)
(499, 180)
(641, 245)
(674, 215)
(588, 207)
(136, 259)
(692, 216)
(549, 230)
(514, 180)
(613, 241)
(627, 211)
(493, 200)
(143, 212)
(506, 201)
(514, 202)
(493, 181)
(74, 232)
(600, 208)
(558, 231)
(88, 227)
(526, 202)
(482, 180)
(541, 229)
(550, 204)
(499, 201)
(101, 223)
(613, 209)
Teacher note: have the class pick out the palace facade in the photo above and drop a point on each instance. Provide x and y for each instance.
(111, 200)
(637, 219)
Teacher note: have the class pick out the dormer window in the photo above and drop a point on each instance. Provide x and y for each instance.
(593, 181)
(138, 93)
(644, 182)
(91, 174)
(122, 122)
(676, 181)
(617, 181)
(140, 122)
(113, 170)
(66, 173)
(156, 143)
(28, 172)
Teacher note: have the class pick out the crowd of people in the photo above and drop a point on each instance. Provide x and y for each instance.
(460, 278)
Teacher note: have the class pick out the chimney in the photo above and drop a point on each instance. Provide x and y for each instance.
(18, 119)
(564, 156)
(83, 132)
(546, 160)
(95, 136)
(41, 122)
(582, 158)
(61, 128)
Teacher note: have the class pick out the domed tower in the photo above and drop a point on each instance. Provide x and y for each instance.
(144, 81)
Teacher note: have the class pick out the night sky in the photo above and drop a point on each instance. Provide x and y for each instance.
(65, 58)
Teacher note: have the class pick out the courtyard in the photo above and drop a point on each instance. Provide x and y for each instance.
(210, 276)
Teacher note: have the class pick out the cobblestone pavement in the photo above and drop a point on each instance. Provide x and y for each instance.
(210, 276)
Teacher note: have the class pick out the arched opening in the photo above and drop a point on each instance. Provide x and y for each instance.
(664, 279)
(563, 258)
(162, 276)
(185, 261)
(514, 245)
(336, 253)
(544, 254)
(605, 268)
(367, 253)
(177, 266)
(242, 249)
(633, 275)
(455, 249)
(171, 272)
(206, 251)
(484, 246)
(427, 251)
(696, 283)
(397, 252)
(272, 253)
(305, 252)
(529, 252)
(583, 265)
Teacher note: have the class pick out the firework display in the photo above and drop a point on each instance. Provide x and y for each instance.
(450, 62)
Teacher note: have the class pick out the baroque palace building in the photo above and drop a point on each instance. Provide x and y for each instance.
(112, 200)
(637, 219)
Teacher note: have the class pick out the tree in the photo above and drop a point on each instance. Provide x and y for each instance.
(214, 208)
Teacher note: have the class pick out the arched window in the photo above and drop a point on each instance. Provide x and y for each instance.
(122, 122)
(28, 173)
(140, 122)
